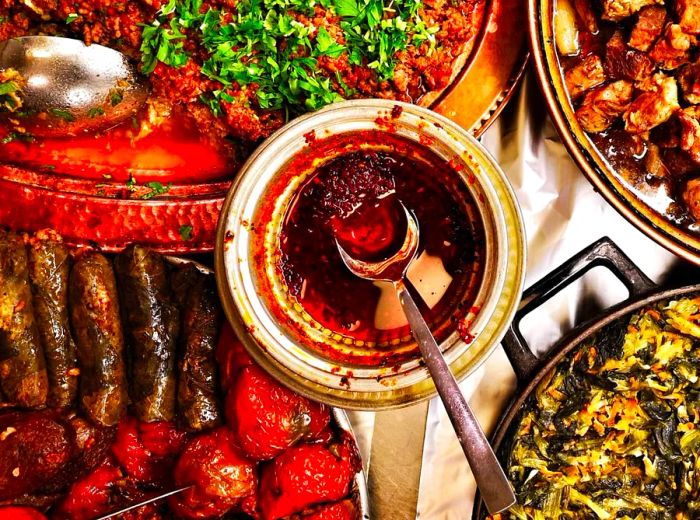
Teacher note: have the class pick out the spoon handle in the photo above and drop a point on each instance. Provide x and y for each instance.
(490, 478)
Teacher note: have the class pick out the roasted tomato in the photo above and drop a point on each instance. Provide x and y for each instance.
(231, 356)
(148, 451)
(91, 495)
(20, 513)
(221, 476)
(268, 418)
(305, 475)
(344, 510)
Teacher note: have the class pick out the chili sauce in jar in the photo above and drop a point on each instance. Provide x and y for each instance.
(353, 196)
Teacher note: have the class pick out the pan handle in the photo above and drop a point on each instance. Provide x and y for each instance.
(603, 252)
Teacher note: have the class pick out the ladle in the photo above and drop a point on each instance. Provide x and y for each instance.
(67, 87)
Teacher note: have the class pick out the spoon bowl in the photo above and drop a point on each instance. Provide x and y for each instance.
(67, 87)
(393, 268)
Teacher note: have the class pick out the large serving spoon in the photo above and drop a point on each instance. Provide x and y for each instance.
(490, 478)
(67, 87)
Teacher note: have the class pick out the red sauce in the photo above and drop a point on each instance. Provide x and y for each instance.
(354, 198)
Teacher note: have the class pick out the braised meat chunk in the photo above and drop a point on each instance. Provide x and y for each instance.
(603, 105)
(691, 197)
(648, 28)
(656, 104)
(585, 12)
(644, 105)
(689, 15)
(673, 48)
(621, 62)
(689, 82)
(616, 10)
(689, 119)
(587, 74)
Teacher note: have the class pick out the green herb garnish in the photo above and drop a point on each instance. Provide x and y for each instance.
(116, 96)
(263, 47)
(96, 112)
(62, 114)
(186, 232)
(156, 188)
(72, 17)
(17, 136)
(11, 83)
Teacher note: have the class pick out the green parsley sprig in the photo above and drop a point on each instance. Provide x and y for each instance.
(263, 47)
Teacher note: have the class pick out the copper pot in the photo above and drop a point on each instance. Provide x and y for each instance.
(593, 164)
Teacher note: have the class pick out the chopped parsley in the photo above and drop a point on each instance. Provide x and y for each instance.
(11, 83)
(131, 183)
(116, 96)
(186, 232)
(17, 136)
(62, 114)
(72, 17)
(156, 188)
(269, 47)
(96, 112)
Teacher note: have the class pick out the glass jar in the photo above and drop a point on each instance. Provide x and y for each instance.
(280, 336)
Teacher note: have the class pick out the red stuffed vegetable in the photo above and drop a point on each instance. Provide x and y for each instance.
(101, 491)
(148, 451)
(267, 418)
(222, 477)
(91, 495)
(20, 513)
(305, 475)
(231, 356)
(344, 510)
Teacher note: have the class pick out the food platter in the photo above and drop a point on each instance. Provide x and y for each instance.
(93, 177)
(607, 331)
(97, 453)
(643, 199)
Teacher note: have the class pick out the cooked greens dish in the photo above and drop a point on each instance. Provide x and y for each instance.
(613, 431)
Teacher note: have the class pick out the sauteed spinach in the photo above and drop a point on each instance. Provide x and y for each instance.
(614, 430)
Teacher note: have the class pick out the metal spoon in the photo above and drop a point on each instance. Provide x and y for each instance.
(493, 484)
(68, 87)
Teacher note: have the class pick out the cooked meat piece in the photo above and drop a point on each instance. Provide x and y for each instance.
(586, 14)
(648, 28)
(667, 134)
(689, 15)
(653, 162)
(654, 106)
(603, 105)
(689, 81)
(617, 10)
(621, 62)
(673, 49)
(691, 196)
(690, 131)
(585, 75)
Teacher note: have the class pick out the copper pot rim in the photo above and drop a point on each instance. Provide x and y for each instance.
(584, 159)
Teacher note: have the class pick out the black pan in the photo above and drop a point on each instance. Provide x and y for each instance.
(529, 369)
